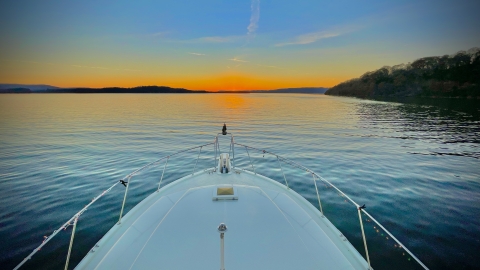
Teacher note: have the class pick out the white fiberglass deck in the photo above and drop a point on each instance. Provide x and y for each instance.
(269, 227)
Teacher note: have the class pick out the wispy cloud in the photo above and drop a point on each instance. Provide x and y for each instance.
(215, 39)
(198, 54)
(268, 66)
(106, 68)
(79, 66)
(241, 61)
(236, 59)
(324, 34)
(70, 65)
(158, 34)
(311, 37)
(254, 17)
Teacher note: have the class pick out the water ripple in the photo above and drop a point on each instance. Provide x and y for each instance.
(415, 166)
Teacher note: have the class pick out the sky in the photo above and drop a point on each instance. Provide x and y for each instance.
(224, 44)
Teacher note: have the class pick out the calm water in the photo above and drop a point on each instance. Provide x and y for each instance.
(416, 167)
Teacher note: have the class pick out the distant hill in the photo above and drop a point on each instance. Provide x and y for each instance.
(15, 91)
(439, 76)
(17, 88)
(112, 90)
(32, 87)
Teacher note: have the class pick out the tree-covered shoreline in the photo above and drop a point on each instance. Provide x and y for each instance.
(438, 76)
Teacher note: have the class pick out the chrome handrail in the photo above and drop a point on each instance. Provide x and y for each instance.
(359, 208)
(64, 226)
(75, 217)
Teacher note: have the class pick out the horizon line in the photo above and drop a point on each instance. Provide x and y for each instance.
(138, 86)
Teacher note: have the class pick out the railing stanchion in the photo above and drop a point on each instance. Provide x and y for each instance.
(250, 160)
(200, 151)
(363, 235)
(230, 148)
(280, 164)
(124, 199)
(71, 242)
(318, 195)
(215, 142)
(233, 151)
(161, 178)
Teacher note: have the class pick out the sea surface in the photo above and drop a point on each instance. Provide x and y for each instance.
(416, 166)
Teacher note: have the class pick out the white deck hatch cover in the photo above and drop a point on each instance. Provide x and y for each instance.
(225, 193)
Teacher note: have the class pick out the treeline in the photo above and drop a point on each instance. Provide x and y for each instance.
(442, 76)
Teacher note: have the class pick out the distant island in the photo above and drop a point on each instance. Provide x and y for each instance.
(106, 90)
(439, 76)
(23, 89)
(26, 87)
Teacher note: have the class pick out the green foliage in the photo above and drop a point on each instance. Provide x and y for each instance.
(441, 76)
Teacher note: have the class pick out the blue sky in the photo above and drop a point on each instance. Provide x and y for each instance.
(227, 45)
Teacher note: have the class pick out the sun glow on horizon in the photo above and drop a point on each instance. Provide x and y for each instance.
(223, 46)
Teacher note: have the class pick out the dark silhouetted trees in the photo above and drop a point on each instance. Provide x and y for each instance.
(443, 76)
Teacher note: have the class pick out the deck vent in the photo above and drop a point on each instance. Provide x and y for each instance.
(225, 193)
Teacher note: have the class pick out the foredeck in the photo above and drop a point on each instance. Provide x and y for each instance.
(269, 227)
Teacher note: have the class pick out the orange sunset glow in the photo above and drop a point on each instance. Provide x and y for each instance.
(227, 79)
(228, 46)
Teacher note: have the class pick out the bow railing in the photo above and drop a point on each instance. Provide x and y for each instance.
(125, 181)
(250, 166)
(360, 209)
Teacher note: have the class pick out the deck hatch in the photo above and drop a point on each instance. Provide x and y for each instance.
(225, 193)
(224, 190)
